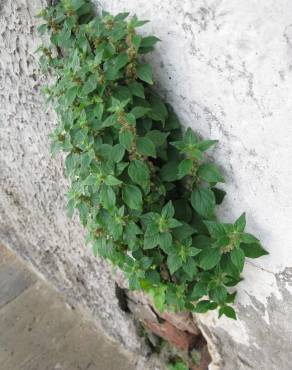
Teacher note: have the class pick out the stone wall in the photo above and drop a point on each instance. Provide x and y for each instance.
(226, 66)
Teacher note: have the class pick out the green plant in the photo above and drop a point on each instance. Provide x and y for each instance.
(144, 190)
(178, 366)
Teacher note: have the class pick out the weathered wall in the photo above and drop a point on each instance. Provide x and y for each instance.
(33, 218)
(226, 66)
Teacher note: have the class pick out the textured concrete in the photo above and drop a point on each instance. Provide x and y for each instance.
(39, 331)
(33, 219)
(226, 67)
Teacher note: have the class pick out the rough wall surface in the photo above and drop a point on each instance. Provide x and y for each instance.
(33, 218)
(226, 66)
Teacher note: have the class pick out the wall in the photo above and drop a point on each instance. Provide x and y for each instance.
(33, 218)
(226, 66)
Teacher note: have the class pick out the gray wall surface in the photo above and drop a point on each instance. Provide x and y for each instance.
(226, 66)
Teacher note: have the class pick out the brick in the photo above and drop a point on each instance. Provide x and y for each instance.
(180, 339)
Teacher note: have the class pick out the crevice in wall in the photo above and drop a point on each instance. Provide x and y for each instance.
(172, 336)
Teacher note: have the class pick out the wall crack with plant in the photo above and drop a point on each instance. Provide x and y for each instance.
(144, 188)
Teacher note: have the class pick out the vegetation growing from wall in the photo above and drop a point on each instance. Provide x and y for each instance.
(144, 188)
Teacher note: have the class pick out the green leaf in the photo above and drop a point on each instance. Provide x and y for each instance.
(178, 366)
(219, 195)
(203, 201)
(77, 4)
(144, 72)
(139, 112)
(215, 229)
(137, 89)
(165, 242)
(146, 147)
(168, 210)
(158, 108)
(107, 197)
(227, 311)
(204, 306)
(173, 263)
(190, 267)
(120, 61)
(218, 294)
(210, 173)
(157, 137)
(117, 153)
(126, 139)
(190, 138)
(209, 258)
(253, 250)
(240, 223)
(169, 172)
(151, 241)
(132, 196)
(90, 85)
(149, 41)
(237, 258)
(139, 172)
(206, 144)
(112, 181)
(248, 238)
(199, 290)
(158, 295)
(184, 168)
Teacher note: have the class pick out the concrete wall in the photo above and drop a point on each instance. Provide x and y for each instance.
(226, 66)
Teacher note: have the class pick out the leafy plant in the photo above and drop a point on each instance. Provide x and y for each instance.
(144, 189)
(178, 366)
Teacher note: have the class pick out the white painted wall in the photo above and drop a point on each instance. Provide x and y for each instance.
(226, 66)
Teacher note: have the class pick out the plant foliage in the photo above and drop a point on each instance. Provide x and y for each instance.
(144, 189)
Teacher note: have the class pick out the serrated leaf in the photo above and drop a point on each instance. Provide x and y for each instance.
(151, 241)
(137, 89)
(237, 258)
(117, 153)
(209, 258)
(206, 144)
(165, 242)
(248, 238)
(112, 181)
(90, 85)
(215, 229)
(168, 210)
(204, 306)
(149, 41)
(169, 172)
(227, 311)
(203, 201)
(107, 197)
(184, 168)
(158, 110)
(210, 173)
(139, 112)
(144, 72)
(146, 147)
(139, 172)
(240, 223)
(190, 267)
(173, 263)
(218, 294)
(126, 139)
(132, 196)
(253, 250)
(157, 137)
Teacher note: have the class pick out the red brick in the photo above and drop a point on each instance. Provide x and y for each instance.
(180, 339)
